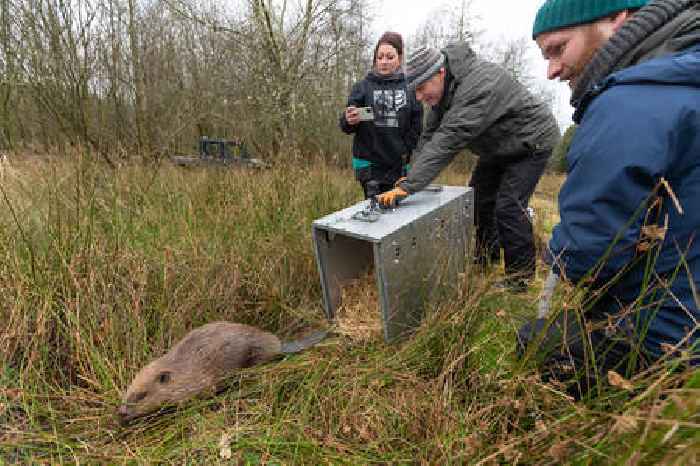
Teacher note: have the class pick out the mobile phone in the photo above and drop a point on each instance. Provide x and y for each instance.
(365, 113)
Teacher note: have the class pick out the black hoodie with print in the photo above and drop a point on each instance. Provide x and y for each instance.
(397, 120)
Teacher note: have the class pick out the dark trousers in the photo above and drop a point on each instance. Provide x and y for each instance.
(502, 192)
(376, 180)
(579, 354)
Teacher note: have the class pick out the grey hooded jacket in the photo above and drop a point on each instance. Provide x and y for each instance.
(484, 109)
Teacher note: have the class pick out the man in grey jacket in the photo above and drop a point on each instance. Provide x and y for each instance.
(477, 105)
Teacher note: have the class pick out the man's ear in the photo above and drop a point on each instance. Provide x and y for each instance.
(609, 25)
(619, 18)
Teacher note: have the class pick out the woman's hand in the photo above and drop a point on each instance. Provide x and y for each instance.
(352, 115)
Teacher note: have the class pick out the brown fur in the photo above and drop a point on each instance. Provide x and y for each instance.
(197, 363)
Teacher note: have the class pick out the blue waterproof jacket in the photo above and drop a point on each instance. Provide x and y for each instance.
(638, 127)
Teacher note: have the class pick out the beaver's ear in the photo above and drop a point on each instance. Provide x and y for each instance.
(164, 377)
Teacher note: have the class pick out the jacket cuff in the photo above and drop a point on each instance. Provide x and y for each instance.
(404, 185)
(345, 126)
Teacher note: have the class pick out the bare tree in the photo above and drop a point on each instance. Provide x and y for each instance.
(452, 21)
(137, 76)
(511, 55)
(154, 75)
(7, 83)
(515, 57)
(56, 39)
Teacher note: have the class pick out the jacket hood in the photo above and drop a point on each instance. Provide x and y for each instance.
(660, 29)
(677, 34)
(680, 69)
(378, 78)
(460, 58)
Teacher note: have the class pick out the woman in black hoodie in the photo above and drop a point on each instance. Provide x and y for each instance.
(382, 147)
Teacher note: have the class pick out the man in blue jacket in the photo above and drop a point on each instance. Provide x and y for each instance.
(630, 215)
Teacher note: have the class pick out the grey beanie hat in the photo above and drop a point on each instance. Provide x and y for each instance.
(422, 65)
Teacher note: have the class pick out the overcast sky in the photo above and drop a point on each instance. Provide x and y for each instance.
(499, 19)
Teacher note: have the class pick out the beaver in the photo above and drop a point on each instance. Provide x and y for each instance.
(200, 363)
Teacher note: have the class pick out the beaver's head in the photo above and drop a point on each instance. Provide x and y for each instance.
(156, 386)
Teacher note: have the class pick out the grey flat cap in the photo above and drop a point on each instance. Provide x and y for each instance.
(422, 65)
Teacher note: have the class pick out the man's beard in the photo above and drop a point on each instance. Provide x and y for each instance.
(593, 40)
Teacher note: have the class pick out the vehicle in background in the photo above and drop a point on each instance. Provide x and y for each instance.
(228, 152)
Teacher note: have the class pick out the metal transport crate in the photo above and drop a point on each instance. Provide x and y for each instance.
(416, 250)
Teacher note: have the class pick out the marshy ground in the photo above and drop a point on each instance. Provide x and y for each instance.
(103, 269)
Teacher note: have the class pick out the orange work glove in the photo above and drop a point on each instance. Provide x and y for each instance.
(392, 198)
(396, 185)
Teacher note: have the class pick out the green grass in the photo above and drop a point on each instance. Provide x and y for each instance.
(102, 270)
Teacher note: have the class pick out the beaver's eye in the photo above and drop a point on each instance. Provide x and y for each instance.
(138, 397)
(164, 377)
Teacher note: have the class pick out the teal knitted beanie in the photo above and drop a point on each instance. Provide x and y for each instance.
(556, 14)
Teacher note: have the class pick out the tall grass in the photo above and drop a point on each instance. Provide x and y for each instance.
(103, 269)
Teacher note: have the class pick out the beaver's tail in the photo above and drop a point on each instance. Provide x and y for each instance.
(308, 341)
